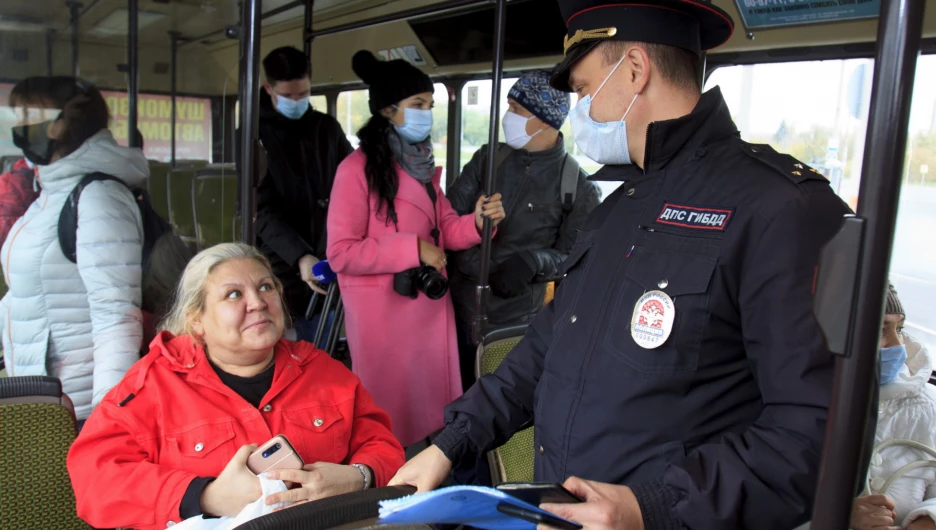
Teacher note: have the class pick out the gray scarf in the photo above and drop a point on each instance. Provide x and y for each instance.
(416, 159)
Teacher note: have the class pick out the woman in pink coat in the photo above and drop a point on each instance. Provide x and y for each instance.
(387, 215)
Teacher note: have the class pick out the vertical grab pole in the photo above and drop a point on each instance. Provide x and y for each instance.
(899, 35)
(133, 67)
(173, 67)
(483, 289)
(307, 29)
(249, 115)
(74, 7)
(453, 163)
(50, 61)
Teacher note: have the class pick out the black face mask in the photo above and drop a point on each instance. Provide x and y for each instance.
(37, 147)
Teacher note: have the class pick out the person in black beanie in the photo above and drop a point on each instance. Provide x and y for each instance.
(389, 226)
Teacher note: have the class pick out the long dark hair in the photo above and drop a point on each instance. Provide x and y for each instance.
(84, 110)
(380, 168)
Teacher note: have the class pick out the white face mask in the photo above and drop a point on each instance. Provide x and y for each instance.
(515, 130)
(605, 143)
(417, 124)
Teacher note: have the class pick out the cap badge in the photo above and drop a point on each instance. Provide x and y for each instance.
(581, 35)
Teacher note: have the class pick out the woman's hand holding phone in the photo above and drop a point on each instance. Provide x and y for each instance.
(234, 489)
(316, 481)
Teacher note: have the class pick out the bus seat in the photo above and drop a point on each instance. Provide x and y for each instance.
(214, 201)
(351, 510)
(513, 461)
(38, 426)
(181, 214)
(157, 186)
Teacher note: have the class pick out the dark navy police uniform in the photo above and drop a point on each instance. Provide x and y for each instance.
(722, 425)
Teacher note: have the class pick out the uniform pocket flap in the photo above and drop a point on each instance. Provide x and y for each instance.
(202, 440)
(675, 273)
(317, 419)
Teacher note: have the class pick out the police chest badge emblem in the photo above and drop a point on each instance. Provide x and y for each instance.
(652, 321)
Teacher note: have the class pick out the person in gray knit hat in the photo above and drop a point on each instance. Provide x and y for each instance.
(548, 200)
(906, 412)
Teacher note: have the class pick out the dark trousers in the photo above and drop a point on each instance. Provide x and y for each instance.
(473, 471)
(467, 351)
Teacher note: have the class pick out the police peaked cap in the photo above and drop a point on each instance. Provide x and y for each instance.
(694, 25)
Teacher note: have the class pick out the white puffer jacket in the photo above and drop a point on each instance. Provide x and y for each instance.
(907, 411)
(81, 323)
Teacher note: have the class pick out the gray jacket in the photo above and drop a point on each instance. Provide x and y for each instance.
(536, 227)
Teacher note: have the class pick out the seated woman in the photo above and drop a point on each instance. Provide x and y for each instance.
(906, 411)
(171, 440)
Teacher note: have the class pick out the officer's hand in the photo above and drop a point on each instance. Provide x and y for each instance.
(425, 472)
(511, 277)
(606, 506)
(874, 512)
(305, 270)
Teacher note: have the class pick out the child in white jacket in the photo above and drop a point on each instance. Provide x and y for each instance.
(906, 411)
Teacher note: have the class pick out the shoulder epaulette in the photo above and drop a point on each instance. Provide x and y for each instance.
(783, 163)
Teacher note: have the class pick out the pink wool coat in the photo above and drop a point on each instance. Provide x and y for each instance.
(403, 350)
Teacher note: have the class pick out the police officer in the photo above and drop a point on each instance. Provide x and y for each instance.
(680, 366)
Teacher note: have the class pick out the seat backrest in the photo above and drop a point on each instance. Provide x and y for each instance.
(351, 510)
(37, 427)
(214, 203)
(181, 214)
(158, 187)
(513, 461)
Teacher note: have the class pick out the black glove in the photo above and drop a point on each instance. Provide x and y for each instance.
(511, 277)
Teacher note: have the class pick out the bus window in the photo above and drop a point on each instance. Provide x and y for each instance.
(476, 104)
(476, 115)
(319, 103)
(353, 113)
(440, 127)
(823, 123)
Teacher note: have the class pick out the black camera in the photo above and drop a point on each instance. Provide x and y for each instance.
(425, 278)
(271, 450)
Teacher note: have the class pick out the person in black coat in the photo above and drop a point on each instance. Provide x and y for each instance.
(303, 149)
(680, 378)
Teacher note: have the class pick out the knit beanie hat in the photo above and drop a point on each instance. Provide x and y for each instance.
(389, 81)
(534, 93)
(892, 305)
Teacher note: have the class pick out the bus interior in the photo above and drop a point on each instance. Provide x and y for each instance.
(185, 73)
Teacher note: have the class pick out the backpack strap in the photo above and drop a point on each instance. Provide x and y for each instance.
(569, 184)
(68, 218)
(503, 151)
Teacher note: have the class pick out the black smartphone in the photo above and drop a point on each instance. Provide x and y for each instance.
(536, 518)
(537, 493)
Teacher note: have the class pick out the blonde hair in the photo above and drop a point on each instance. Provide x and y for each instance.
(189, 299)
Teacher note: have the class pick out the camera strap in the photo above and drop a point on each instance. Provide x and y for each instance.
(435, 219)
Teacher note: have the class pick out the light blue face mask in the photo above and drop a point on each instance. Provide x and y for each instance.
(417, 125)
(605, 143)
(892, 360)
(292, 108)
